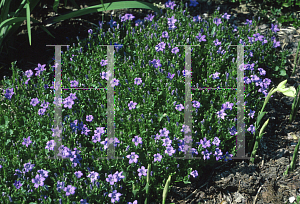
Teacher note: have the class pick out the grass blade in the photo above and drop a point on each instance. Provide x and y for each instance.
(55, 5)
(28, 21)
(291, 167)
(295, 106)
(166, 189)
(257, 141)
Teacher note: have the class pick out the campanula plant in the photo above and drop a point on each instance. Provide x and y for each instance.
(149, 91)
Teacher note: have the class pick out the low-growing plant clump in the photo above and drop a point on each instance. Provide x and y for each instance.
(149, 86)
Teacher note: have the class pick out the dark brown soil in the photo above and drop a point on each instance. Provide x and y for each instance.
(235, 181)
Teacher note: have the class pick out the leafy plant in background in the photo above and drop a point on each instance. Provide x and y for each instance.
(12, 19)
(276, 7)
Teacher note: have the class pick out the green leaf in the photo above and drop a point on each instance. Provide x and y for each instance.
(28, 21)
(99, 8)
(260, 116)
(7, 141)
(282, 72)
(55, 5)
(287, 4)
(290, 92)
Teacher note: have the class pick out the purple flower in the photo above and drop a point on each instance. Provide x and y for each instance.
(194, 173)
(29, 73)
(103, 62)
(274, 28)
(227, 106)
(74, 83)
(112, 23)
(170, 76)
(206, 154)
(38, 181)
(175, 50)
(216, 141)
(196, 104)
(132, 158)
(218, 153)
(69, 190)
(139, 22)
(45, 105)
(40, 68)
(227, 156)
(112, 179)
(157, 157)
(170, 151)
(114, 196)
(50, 145)
(215, 76)
(201, 37)
(251, 114)
(137, 140)
(233, 131)
(68, 102)
(221, 114)
(129, 16)
(41, 111)
(83, 201)
(72, 96)
(99, 130)
(18, 184)
(251, 129)
(142, 171)
(160, 47)
(155, 63)
(27, 141)
(43, 173)
(262, 72)
(34, 101)
(172, 20)
(9, 93)
(165, 34)
(60, 186)
(193, 3)
(226, 16)
(114, 82)
(138, 81)
(179, 107)
(170, 4)
(96, 138)
(164, 132)
(205, 143)
(217, 42)
(90, 31)
(276, 44)
(132, 105)
(106, 75)
(28, 167)
(149, 17)
(89, 118)
(249, 22)
(197, 18)
(93, 176)
(217, 21)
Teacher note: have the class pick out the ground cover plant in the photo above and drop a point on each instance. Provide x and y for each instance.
(149, 104)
